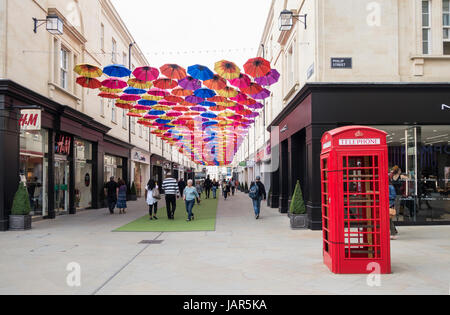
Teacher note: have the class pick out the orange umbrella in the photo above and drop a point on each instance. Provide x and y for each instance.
(109, 95)
(257, 67)
(252, 89)
(89, 83)
(173, 71)
(182, 92)
(216, 83)
(165, 84)
(174, 99)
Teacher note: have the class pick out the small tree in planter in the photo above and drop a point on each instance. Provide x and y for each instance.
(246, 188)
(298, 209)
(20, 219)
(269, 198)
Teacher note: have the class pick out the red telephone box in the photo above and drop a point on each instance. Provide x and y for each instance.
(355, 200)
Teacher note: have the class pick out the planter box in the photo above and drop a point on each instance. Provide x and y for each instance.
(20, 222)
(298, 221)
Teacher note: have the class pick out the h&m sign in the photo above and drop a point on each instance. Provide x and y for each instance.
(30, 119)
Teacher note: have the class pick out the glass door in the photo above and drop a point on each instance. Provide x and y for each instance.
(410, 198)
(62, 172)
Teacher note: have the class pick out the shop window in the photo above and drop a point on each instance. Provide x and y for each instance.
(114, 51)
(124, 119)
(446, 25)
(83, 174)
(133, 125)
(102, 107)
(113, 114)
(426, 27)
(102, 37)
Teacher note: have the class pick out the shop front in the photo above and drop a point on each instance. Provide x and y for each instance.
(157, 169)
(416, 118)
(141, 170)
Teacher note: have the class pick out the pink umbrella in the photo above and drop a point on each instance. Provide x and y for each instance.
(151, 117)
(241, 97)
(113, 83)
(146, 73)
(174, 114)
(130, 97)
(158, 92)
(166, 103)
(242, 82)
(142, 107)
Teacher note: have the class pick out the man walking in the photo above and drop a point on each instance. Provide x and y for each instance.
(111, 194)
(170, 187)
(208, 186)
(257, 193)
(181, 186)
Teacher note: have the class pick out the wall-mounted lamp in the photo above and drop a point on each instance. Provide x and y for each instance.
(286, 20)
(54, 24)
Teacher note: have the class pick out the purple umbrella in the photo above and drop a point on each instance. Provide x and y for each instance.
(256, 106)
(252, 115)
(269, 79)
(265, 93)
(193, 99)
(189, 83)
(198, 109)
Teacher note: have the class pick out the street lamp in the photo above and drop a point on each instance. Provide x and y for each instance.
(286, 20)
(54, 24)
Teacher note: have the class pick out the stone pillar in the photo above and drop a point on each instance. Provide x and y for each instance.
(9, 158)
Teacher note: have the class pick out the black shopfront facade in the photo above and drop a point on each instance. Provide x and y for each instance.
(63, 163)
(416, 118)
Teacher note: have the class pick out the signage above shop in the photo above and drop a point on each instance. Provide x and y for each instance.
(284, 129)
(341, 63)
(30, 119)
(348, 142)
(139, 157)
(310, 71)
(445, 107)
(62, 144)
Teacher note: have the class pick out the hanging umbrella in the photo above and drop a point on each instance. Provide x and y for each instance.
(241, 82)
(208, 115)
(204, 93)
(182, 92)
(134, 91)
(262, 95)
(174, 114)
(194, 99)
(181, 108)
(152, 97)
(107, 90)
(217, 108)
(252, 89)
(130, 97)
(146, 73)
(113, 83)
(174, 99)
(200, 72)
(252, 115)
(227, 69)
(271, 78)
(165, 84)
(162, 107)
(189, 83)
(226, 103)
(134, 114)
(166, 103)
(216, 83)
(139, 84)
(142, 107)
(256, 106)
(124, 104)
(88, 71)
(198, 109)
(247, 102)
(257, 67)
(147, 102)
(173, 71)
(156, 112)
(158, 92)
(217, 98)
(207, 104)
(89, 83)
(228, 92)
(109, 95)
(241, 97)
(118, 71)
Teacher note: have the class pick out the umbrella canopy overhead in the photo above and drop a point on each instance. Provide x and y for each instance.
(194, 111)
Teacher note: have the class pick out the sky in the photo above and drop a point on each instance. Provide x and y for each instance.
(189, 32)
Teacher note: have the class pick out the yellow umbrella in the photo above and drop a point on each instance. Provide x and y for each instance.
(228, 92)
(148, 97)
(227, 69)
(227, 104)
(88, 71)
(161, 107)
(108, 90)
(139, 84)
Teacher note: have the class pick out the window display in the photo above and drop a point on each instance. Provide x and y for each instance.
(83, 174)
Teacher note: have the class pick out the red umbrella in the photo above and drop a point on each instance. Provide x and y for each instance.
(130, 97)
(109, 95)
(112, 83)
(257, 67)
(252, 89)
(216, 83)
(90, 83)
(166, 84)
(173, 71)
(182, 92)
(174, 99)
(146, 73)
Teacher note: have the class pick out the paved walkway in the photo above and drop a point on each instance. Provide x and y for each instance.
(243, 256)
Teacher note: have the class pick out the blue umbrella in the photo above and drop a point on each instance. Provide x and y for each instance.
(156, 112)
(118, 71)
(134, 91)
(147, 103)
(162, 121)
(205, 93)
(200, 72)
(209, 115)
(208, 104)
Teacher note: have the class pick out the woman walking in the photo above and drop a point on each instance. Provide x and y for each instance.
(190, 194)
(122, 197)
(215, 186)
(152, 193)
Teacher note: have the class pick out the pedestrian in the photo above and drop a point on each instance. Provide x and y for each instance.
(122, 197)
(111, 194)
(208, 186)
(199, 188)
(225, 190)
(392, 210)
(170, 187)
(152, 196)
(257, 192)
(181, 186)
(190, 194)
(233, 187)
(215, 186)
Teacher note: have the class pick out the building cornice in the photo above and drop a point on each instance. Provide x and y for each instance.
(309, 88)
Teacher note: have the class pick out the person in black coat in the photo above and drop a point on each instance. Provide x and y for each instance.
(181, 187)
(208, 185)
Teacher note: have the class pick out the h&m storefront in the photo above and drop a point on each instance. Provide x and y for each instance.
(417, 120)
(63, 159)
